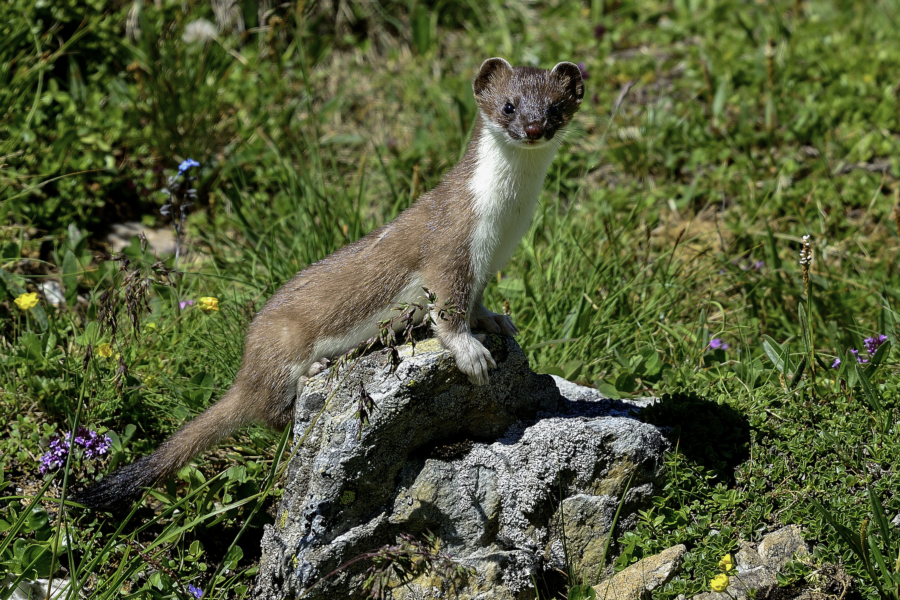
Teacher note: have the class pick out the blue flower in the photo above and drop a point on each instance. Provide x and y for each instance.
(195, 591)
(718, 344)
(187, 165)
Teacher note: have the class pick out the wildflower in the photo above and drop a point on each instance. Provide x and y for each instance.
(187, 165)
(719, 583)
(195, 591)
(836, 363)
(583, 68)
(186, 303)
(26, 301)
(209, 304)
(718, 344)
(874, 343)
(200, 30)
(726, 564)
(806, 252)
(859, 358)
(94, 445)
(758, 265)
(104, 350)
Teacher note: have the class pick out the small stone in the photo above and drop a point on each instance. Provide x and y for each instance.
(637, 581)
(779, 547)
(747, 558)
(52, 292)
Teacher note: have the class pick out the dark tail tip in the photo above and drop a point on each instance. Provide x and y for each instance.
(118, 490)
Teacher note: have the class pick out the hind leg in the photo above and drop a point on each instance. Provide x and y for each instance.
(281, 420)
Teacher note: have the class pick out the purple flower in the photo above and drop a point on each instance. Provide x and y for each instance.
(758, 265)
(195, 591)
(583, 68)
(93, 443)
(859, 358)
(836, 363)
(185, 303)
(718, 344)
(874, 343)
(187, 165)
(599, 32)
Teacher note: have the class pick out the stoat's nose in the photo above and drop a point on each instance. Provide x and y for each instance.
(534, 131)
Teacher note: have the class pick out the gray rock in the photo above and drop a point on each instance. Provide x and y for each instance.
(638, 580)
(757, 566)
(35, 588)
(52, 292)
(497, 473)
(159, 241)
(780, 547)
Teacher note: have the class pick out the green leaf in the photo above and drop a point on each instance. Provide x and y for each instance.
(511, 287)
(879, 560)
(37, 520)
(879, 356)
(572, 326)
(608, 390)
(869, 392)
(36, 560)
(878, 515)
(572, 369)
(237, 473)
(798, 373)
(774, 351)
(70, 269)
(626, 382)
(233, 557)
(582, 592)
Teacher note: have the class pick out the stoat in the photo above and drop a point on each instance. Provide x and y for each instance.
(450, 241)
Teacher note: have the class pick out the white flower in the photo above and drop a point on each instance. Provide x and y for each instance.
(200, 30)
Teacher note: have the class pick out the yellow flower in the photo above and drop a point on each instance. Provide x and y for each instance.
(209, 304)
(26, 301)
(726, 564)
(104, 350)
(719, 583)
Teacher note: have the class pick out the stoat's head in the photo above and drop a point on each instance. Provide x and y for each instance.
(529, 105)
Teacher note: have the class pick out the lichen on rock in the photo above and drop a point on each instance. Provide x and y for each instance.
(500, 474)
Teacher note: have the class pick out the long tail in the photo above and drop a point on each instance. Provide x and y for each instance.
(123, 486)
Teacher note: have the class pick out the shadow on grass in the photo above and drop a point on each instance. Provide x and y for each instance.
(713, 435)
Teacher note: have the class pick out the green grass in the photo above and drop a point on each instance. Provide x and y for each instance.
(647, 245)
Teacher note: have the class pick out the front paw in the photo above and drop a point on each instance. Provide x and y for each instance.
(494, 323)
(472, 358)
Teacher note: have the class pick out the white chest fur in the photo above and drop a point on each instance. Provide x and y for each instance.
(506, 184)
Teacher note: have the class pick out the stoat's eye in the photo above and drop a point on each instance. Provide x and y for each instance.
(554, 112)
(509, 108)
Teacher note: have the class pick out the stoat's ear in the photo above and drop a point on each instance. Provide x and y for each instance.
(492, 70)
(570, 76)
